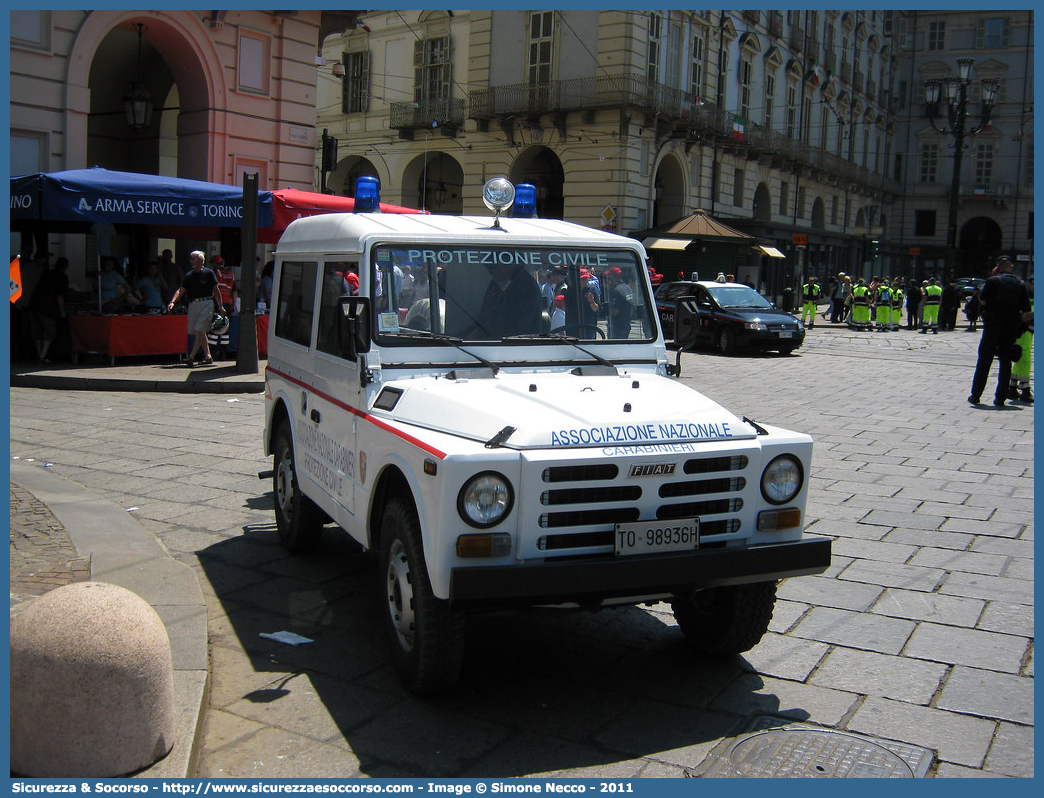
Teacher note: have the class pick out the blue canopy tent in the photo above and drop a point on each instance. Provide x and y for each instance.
(146, 206)
(72, 200)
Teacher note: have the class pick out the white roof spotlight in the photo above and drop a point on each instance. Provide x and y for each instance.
(498, 194)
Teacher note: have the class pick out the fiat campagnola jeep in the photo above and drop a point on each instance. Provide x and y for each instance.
(487, 403)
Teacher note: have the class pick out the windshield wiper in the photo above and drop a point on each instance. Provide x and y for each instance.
(561, 339)
(424, 336)
(537, 337)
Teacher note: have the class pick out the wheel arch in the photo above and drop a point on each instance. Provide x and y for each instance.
(391, 482)
(279, 414)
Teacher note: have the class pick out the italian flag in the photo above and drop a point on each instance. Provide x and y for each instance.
(738, 127)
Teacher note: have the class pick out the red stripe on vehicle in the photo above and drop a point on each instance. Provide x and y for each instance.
(365, 416)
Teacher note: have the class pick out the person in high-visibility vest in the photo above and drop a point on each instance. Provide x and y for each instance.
(860, 318)
(883, 303)
(897, 303)
(1022, 369)
(932, 299)
(810, 292)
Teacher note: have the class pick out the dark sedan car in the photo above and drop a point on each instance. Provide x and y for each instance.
(967, 286)
(732, 317)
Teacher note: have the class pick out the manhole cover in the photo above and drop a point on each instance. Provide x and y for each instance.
(801, 752)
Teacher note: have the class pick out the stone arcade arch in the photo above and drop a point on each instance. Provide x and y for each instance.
(175, 54)
(433, 182)
(980, 239)
(349, 170)
(542, 167)
(669, 191)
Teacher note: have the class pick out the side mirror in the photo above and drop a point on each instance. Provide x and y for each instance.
(353, 326)
(686, 321)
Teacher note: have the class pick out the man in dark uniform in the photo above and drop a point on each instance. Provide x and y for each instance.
(1005, 305)
(511, 304)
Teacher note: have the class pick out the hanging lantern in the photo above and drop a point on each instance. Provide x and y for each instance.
(137, 103)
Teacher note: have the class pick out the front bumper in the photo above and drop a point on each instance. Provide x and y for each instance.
(755, 339)
(589, 582)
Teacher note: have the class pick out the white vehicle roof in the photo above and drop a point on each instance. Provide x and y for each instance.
(351, 232)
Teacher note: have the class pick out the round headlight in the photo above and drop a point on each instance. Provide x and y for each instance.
(485, 499)
(498, 194)
(782, 479)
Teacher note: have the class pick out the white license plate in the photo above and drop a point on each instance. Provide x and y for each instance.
(651, 537)
(786, 335)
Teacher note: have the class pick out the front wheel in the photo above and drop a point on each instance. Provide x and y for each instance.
(727, 342)
(427, 638)
(298, 519)
(724, 621)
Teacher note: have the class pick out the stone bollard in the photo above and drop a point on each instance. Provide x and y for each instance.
(92, 684)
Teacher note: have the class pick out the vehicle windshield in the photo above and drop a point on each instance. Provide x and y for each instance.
(476, 293)
(738, 296)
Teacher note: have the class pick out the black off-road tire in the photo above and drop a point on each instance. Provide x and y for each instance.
(298, 519)
(727, 342)
(725, 621)
(426, 637)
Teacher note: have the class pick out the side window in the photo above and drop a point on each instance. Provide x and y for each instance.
(336, 283)
(296, 298)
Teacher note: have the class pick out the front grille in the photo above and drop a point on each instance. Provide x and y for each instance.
(580, 497)
(580, 473)
(589, 517)
(599, 495)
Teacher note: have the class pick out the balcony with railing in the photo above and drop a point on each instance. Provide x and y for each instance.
(678, 115)
(532, 100)
(447, 116)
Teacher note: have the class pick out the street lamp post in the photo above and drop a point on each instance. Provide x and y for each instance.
(954, 89)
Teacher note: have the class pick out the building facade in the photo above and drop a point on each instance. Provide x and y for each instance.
(230, 92)
(778, 123)
(987, 206)
(804, 128)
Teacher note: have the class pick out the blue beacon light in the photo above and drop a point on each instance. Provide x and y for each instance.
(367, 195)
(525, 201)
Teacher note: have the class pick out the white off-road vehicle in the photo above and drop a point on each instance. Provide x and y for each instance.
(487, 403)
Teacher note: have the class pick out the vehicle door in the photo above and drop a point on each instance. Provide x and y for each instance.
(335, 402)
(707, 330)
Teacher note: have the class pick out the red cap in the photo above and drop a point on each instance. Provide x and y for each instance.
(616, 271)
(217, 260)
(560, 300)
(585, 273)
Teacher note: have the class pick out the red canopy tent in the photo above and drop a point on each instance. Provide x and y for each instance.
(290, 203)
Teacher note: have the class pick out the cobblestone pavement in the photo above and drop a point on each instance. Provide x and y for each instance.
(42, 556)
(921, 632)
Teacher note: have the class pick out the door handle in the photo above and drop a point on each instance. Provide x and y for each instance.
(316, 416)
